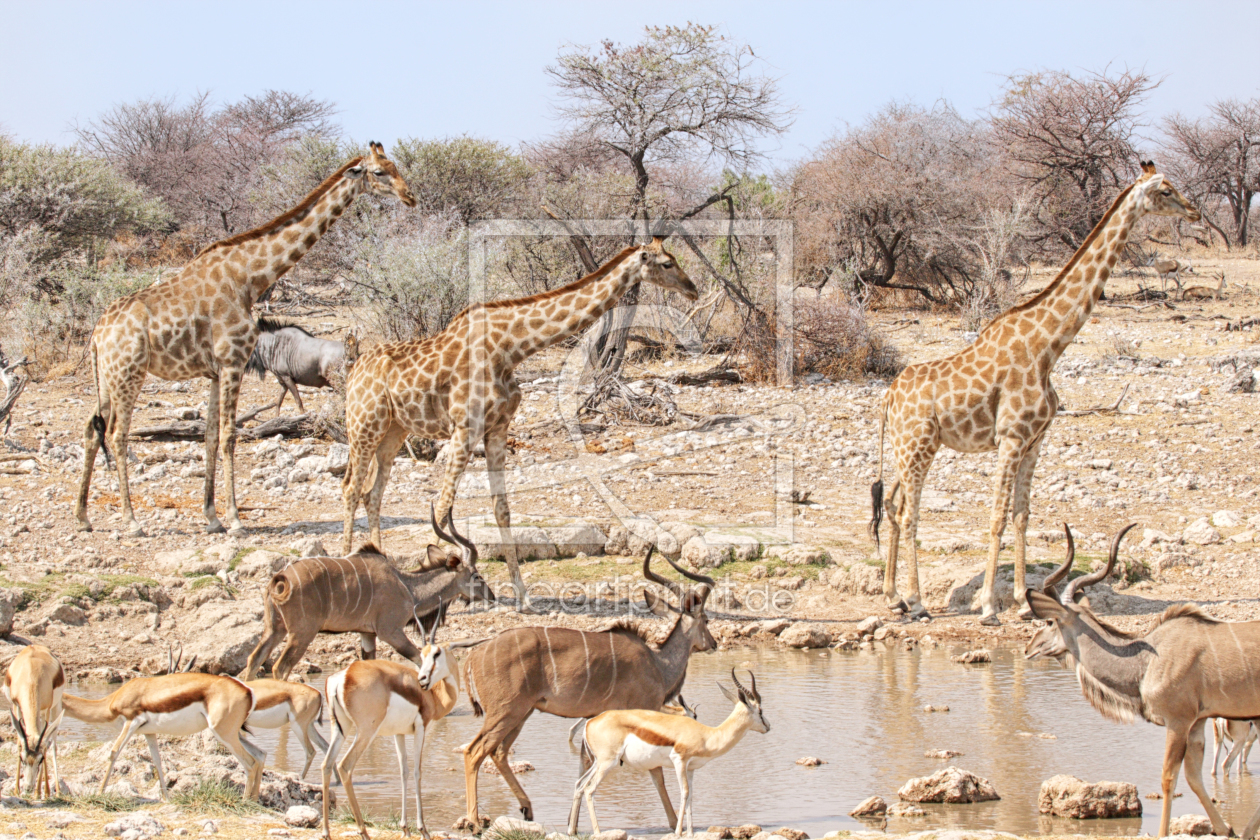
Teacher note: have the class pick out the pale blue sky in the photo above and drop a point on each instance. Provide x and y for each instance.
(439, 69)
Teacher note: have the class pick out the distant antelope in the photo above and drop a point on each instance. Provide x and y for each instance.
(362, 594)
(1169, 270)
(647, 740)
(176, 704)
(33, 685)
(1206, 292)
(1241, 734)
(577, 673)
(383, 698)
(1188, 668)
(277, 702)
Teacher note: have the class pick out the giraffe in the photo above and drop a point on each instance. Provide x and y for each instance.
(460, 384)
(997, 394)
(199, 324)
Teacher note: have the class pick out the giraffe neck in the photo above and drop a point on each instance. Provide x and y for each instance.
(282, 248)
(568, 311)
(1066, 304)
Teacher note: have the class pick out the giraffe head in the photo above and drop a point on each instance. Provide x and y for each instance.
(656, 265)
(382, 175)
(1159, 197)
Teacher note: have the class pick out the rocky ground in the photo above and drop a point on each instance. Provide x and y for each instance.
(764, 488)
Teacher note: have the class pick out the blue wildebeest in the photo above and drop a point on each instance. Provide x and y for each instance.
(298, 358)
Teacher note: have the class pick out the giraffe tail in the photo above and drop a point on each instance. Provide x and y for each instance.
(98, 424)
(877, 488)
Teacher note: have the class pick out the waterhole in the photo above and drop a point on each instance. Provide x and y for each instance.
(1016, 723)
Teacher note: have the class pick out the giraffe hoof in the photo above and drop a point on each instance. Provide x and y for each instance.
(991, 621)
(920, 613)
(215, 527)
(85, 526)
(899, 608)
(135, 531)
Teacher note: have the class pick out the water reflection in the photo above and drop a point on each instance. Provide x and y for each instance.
(861, 712)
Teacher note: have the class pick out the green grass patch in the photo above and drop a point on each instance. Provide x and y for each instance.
(111, 802)
(202, 581)
(35, 593)
(215, 796)
(388, 822)
(239, 556)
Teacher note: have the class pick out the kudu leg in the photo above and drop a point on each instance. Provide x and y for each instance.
(1174, 754)
(1193, 762)
(258, 659)
(658, 779)
(291, 654)
(500, 756)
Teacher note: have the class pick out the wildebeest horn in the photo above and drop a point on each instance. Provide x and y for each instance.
(672, 586)
(1079, 584)
(1048, 585)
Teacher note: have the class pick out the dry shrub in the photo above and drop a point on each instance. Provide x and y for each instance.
(830, 337)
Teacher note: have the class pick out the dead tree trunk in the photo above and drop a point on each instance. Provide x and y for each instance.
(13, 385)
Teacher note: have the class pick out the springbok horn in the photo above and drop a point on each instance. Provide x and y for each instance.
(1052, 580)
(697, 578)
(17, 727)
(437, 622)
(743, 692)
(690, 711)
(755, 693)
(1080, 583)
(672, 586)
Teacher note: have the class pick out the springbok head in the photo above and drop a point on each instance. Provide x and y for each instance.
(434, 662)
(472, 586)
(751, 699)
(1063, 614)
(175, 663)
(32, 753)
(692, 619)
(658, 266)
(382, 175)
(1161, 198)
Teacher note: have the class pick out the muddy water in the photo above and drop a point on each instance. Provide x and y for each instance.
(860, 712)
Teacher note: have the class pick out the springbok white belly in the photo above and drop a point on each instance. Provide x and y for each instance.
(640, 755)
(187, 721)
(400, 718)
(272, 718)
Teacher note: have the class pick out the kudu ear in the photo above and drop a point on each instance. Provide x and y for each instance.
(657, 605)
(1045, 607)
(436, 557)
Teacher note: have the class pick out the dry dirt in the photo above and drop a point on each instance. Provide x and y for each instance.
(1179, 449)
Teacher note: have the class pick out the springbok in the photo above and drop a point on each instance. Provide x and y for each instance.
(578, 673)
(1188, 668)
(33, 685)
(277, 702)
(1241, 734)
(1206, 292)
(362, 594)
(383, 698)
(645, 740)
(176, 704)
(679, 708)
(1169, 270)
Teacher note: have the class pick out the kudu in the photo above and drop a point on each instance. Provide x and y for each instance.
(575, 674)
(1188, 668)
(362, 594)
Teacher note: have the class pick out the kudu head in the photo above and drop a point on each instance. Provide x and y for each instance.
(1066, 615)
(434, 663)
(751, 700)
(693, 622)
(32, 752)
(472, 586)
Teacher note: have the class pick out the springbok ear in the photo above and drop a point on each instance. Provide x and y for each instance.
(657, 605)
(728, 694)
(55, 725)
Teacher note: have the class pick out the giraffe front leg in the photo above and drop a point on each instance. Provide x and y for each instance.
(496, 461)
(229, 393)
(213, 525)
(1019, 521)
(1009, 456)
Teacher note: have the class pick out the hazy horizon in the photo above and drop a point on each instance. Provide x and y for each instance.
(436, 70)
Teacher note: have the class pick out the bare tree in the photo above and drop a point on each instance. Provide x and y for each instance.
(1071, 140)
(681, 94)
(1219, 161)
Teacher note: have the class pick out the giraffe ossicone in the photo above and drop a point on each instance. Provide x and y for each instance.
(199, 324)
(460, 384)
(997, 394)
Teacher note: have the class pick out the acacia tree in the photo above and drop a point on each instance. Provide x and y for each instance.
(681, 94)
(1071, 141)
(1220, 159)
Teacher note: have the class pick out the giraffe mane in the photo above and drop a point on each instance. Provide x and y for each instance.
(284, 218)
(1071, 264)
(602, 271)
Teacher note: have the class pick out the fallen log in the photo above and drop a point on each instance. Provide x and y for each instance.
(286, 426)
